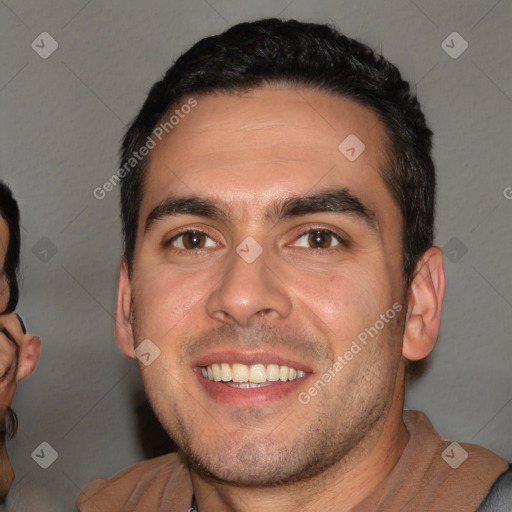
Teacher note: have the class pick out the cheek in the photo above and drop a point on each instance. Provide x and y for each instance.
(346, 303)
(166, 302)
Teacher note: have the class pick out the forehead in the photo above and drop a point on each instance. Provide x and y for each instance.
(247, 149)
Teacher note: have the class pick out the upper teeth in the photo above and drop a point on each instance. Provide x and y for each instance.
(255, 373)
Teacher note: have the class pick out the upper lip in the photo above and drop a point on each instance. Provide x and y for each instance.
(248, 358)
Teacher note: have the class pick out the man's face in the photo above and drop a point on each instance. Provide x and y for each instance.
(253, 286)
(4, 244)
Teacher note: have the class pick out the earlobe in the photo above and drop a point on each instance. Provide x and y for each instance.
(124, 331)
(425, 302)
(30, 350)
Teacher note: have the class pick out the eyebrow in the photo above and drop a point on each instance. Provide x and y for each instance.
(339, 201)
(187, 205)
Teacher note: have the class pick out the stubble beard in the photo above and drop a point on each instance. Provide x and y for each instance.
(338, 432)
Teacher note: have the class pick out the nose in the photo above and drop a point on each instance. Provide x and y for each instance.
(248, 292)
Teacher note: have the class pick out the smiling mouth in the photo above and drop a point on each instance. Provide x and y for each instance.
(238, 375)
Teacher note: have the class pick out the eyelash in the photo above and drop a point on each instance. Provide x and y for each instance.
(197, 252)
(191, 252)
(342, 241)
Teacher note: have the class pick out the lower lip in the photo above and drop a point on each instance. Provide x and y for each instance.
(264, 395)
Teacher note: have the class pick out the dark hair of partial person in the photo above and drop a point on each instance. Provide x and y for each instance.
(294, 54)
(8, 425)
(11, 214)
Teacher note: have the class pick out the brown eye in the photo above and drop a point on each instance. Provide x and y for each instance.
(190, 240)
(319, 239)
(193, 240)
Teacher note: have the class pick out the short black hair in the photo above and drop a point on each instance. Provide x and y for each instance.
(11, 214)
(296, 54)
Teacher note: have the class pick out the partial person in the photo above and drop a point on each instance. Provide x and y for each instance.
(279, 275)
(19, 350)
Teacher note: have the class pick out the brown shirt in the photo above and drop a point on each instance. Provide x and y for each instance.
(431, 475)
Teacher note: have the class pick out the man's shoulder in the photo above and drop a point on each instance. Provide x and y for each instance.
(152, 483)
(499, 498)
(482, 457)
(449, 475)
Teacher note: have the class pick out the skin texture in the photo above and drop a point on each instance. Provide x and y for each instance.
(295, 300)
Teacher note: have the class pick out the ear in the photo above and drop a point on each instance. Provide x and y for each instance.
(424, 306)
(30, 350)
(124, 331)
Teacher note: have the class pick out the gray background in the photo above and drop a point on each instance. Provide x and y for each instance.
(63, 118)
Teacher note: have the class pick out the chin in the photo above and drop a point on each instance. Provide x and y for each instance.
(256, 464)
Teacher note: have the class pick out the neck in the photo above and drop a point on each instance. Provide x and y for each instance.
(338, 489)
